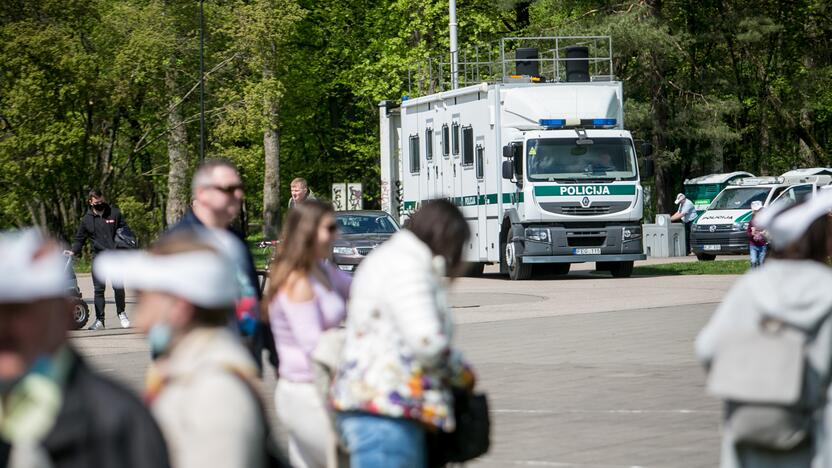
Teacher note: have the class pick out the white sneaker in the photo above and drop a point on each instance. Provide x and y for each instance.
(125, 322)
(98, 325)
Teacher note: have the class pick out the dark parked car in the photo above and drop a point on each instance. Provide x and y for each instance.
(360, 233)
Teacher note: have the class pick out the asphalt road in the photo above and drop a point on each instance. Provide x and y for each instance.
(583, 371)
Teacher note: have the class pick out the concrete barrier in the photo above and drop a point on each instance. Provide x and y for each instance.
(664, 238)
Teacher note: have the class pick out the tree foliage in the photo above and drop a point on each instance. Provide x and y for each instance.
(87, 88)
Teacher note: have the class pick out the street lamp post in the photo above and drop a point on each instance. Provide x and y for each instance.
(201, 83)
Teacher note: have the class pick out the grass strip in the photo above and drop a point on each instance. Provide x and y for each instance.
(720, 267)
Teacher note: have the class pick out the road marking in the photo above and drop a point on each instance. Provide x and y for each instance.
(614, 411)
(553, 463)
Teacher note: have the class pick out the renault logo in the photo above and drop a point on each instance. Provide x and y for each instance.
(712, 228)
(585, 202)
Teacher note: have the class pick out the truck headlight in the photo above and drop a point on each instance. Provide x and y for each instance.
(740, 226)
(537, 235)
(344, 251)
(631, 233)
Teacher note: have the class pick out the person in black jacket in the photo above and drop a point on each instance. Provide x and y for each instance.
(100, 224)
(51, 402)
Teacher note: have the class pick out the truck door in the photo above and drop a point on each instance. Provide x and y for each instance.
(482, 197)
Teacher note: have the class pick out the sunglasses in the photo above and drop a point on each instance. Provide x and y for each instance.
(229, 190)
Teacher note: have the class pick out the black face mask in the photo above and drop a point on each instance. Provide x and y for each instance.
(99, 206)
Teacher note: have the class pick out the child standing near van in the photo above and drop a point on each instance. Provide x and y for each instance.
(757, 242)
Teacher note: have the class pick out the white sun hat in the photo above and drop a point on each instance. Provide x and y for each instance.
(679, 198)
(204, 278)
(30, 269)
(786, 225)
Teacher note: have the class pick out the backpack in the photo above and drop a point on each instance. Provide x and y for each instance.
(125, 239)
(771, 391)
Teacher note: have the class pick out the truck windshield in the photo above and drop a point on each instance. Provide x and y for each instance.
(553, 159)
(739, 198)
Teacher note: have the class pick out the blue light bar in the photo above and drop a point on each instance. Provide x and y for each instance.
(552, 122)
(603, 122)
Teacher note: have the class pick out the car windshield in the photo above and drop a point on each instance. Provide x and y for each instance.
(552, 159)
(353, 223)
(740, 198)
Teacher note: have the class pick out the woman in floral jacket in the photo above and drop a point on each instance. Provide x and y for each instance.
(398, 367)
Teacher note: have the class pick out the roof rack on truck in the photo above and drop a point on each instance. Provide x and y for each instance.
(517, 60)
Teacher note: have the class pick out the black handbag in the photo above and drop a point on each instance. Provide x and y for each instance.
(125, 239)
(470, 439)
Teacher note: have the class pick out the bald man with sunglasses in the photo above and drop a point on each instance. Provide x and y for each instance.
(217, 198)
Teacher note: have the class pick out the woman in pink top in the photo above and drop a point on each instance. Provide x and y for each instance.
(306, 296)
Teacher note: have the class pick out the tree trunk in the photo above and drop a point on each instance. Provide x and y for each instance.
(659, 117)
(271, 177)
(177, 156)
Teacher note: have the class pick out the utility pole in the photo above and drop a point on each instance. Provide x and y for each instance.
(454, 51)
(201, 83)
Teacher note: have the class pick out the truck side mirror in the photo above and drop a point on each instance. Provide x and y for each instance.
(649, 168)
(508, 169)
(646, 149)
(507, 151)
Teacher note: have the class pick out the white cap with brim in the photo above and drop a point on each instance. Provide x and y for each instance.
(786, 226)
(203, 278)
(30, 270)
(679, 198)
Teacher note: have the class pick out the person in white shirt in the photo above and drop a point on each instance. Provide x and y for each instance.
(686, 213)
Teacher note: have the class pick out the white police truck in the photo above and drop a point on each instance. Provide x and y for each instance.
(539, 163)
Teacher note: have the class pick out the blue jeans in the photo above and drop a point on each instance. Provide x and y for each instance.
(758, 254)
(381, 442)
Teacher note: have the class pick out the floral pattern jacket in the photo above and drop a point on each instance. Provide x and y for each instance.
(398, 360)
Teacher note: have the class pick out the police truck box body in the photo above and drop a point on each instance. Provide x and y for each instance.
(544, 172)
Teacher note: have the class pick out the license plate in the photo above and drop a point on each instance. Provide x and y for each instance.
(712, 247)
(587, 251)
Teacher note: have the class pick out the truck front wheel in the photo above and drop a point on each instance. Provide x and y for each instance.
(517, 270)
(621, 269)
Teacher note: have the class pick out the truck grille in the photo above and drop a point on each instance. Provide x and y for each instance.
(586, 238)
(581, 211)
(575, 208)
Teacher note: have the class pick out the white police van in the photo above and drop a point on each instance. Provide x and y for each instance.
(722, 229)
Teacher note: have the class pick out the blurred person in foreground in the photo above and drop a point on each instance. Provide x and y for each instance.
(306, 297)
(203, 391)
(217, 192)
(791, 290)
(398, 364)
(50, 400)
(757, 242)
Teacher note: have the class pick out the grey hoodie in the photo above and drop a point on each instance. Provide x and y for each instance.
(798, 293)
